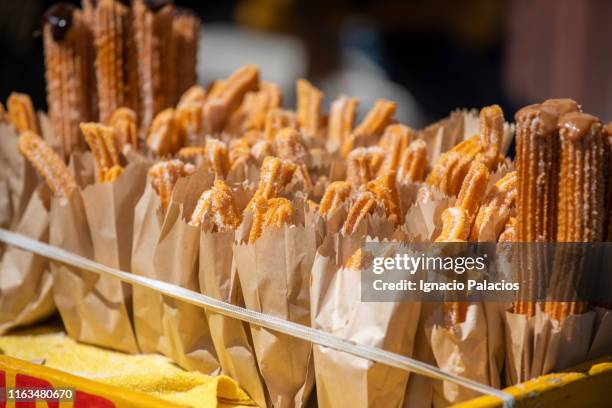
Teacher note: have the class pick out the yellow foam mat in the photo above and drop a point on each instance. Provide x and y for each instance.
(151, 374)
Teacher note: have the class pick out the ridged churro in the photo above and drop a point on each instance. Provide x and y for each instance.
(537, 163)
(68, 76)
(116, 60)
(394, 141)
(341, 118)
(185, 33)
(492, 134)
(451, 167)
(102, 143)
(277, 119)
(473, 189)
(308, 112)
(363, 205)
(194, 94)
(509, 231)
(335, 195)
(227, 97)
(274, 175)
(607, 130)
(164, 175)
(21, 112)
(288, 146)
(217, 156)
(256, 105)
(384, 188)
(371, 127)
(496, 209)
(274, 212)
(156, 52)
(47, 163)
(164, 138)
(217, 209)
(581, 202)
(413, 164)
(362, 164)
(123, 120)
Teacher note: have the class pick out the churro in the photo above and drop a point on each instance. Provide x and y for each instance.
(216, 208)
(47, 163)
(581, 201)
(308, 112)
(288, 146)
(123, 120)
(274, 175)
(227, 97)
(164, 175)
(537, 163)
(112, 174)
(455, 228)
(363, 205)
(341, 118)
(277, 119)
(261, 150)
(607, 130)
(509, 232)
(256, 106)
(21, 112)
(335, 195)
(155, 52)
(185, 31)
(191, 152)
(394, 141)
(217, 156)
(473, 189)
(359, 260)
(102, 143)
(68, 76)
(274, 212)
(492, 134)
(164, 138)
(384, 188)
(195, 94)
(189, 122)
(362, 164)
(376, 120)
(115, 62)
(451, 167)
(413, 164)
(496, 209)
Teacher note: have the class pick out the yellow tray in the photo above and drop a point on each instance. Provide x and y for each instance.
(587, 385)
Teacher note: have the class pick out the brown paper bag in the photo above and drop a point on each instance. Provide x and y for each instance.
(602, 339)
(274, 275)
(74, 289)
(218, 279)
(465, 350)
(540, 345)
(106, 212)
(560, 345)
(147, 303)
(419, 390)
(519, 347)
(17, 173)
(25, 279)
(343, 379)
(168, 250)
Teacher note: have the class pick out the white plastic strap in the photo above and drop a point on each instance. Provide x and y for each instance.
(260, 319)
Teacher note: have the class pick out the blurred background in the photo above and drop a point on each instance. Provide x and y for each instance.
(430, 56)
